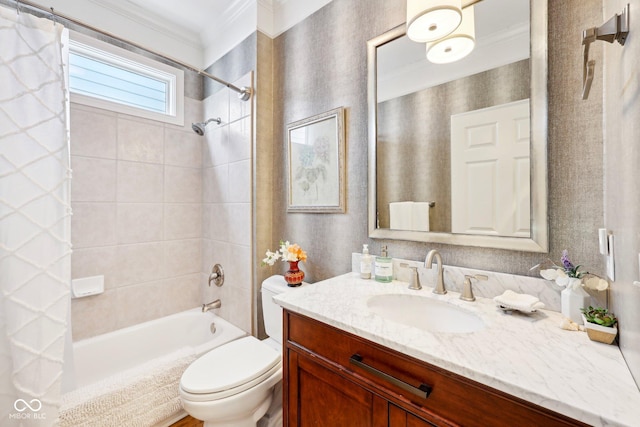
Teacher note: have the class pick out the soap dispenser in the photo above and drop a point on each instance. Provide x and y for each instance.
(365, 263)
(384, 267)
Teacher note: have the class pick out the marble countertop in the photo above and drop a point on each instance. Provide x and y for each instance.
(527, 356)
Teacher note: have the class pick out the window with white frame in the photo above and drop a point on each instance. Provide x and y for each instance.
(105, 76)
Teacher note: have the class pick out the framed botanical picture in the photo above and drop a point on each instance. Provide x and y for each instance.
(316, 163)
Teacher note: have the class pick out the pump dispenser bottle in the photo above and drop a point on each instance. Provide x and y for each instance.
(384, 267)
(365, 263)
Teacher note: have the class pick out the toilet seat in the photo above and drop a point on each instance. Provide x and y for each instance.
(229, 369)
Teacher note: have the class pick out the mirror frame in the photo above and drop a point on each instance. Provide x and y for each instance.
(539, 238)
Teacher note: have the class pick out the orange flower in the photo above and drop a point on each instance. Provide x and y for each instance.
(287, 252)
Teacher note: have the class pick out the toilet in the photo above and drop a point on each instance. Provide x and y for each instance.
(233, 385)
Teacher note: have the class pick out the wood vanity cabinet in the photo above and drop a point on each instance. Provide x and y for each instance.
(336, 379)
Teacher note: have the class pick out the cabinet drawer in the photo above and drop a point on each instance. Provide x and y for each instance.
(416, 386)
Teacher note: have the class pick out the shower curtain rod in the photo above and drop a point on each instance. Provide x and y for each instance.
(244, 93)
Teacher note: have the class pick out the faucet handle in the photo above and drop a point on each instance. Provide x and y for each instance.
(217, 275)
(414, 279)
(467, 288)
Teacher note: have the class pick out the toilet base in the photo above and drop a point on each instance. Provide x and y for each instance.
(240, 410)
(248, 421)
(273, 416)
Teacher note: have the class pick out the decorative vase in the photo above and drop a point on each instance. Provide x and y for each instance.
(294, 275)
(572, 299)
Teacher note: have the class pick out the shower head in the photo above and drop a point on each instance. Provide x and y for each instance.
(199, 127)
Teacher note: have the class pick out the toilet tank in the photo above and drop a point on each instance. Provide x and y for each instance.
(272, 312)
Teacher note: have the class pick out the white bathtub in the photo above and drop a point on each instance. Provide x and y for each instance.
(160, 348)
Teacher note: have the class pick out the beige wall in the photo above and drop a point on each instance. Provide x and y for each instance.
(320, 64)
(264, 176)
(622, 177)
(137, 214)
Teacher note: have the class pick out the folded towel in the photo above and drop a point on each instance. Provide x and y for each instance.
(521, 302)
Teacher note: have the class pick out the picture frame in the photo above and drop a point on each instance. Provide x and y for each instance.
(316, 163)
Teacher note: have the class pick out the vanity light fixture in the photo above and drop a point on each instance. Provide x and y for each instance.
(456, 45)
(430, 20)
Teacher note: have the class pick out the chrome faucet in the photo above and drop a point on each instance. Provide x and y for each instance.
(428, 264)
(210, 306)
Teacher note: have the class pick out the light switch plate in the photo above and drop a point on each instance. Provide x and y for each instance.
(603, 242)
(636, 282)
(610, 259)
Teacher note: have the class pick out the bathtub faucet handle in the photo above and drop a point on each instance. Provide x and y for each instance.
(217, 275)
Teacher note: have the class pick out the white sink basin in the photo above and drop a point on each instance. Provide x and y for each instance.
(424, 313)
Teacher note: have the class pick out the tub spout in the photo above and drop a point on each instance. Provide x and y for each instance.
(210, 306)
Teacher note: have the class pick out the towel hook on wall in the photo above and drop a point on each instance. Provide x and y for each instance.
(615, 29)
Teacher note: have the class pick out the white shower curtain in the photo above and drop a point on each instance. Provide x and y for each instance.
(34, 218)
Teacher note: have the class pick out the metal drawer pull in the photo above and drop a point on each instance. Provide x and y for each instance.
(423, 390)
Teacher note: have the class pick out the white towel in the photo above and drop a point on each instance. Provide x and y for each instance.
(420, 219)
(401, 215)
(521, 302)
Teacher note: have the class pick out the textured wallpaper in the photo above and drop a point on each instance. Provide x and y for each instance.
(321, 64)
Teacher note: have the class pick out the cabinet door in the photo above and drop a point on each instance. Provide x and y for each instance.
(317, 396)
(398, 417)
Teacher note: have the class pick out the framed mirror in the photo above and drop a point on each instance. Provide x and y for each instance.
(458, 151)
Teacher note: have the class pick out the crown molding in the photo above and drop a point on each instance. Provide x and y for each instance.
(266, 4)
(266, 17)
(287, 13)
(235, 10)
(151, 21)
(234, 24)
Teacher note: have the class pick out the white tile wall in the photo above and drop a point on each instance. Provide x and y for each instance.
(182, 220)
(155, 206)
(239, 146)
(216, 189)
(182, 149)
(137, 201)
(94, 179)
(140, 140)
(139, 263)
(93, 224)
(93, 132)
(140, 182)
(182, 185)
(215, 150)
(139, 222)
(240, 182)
(227, 204)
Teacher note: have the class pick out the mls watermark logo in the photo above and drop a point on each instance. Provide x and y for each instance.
(27, 410)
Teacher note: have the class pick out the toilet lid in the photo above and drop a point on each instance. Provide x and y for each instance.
(229, 366)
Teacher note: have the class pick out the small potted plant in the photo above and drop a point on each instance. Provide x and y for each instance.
(600, 324)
